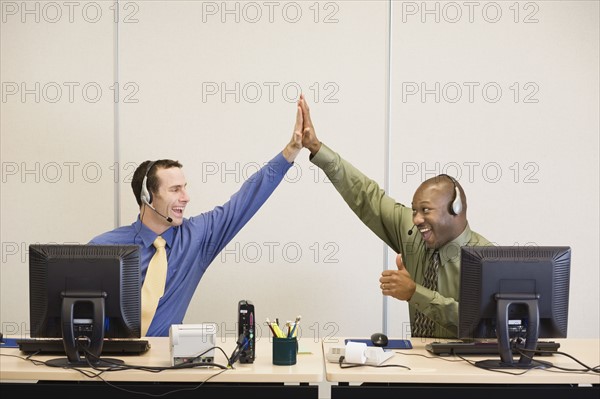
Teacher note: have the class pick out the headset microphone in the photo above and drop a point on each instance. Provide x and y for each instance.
(167, 218)
(411, 229)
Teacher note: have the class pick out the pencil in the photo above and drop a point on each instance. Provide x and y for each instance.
(268, 323)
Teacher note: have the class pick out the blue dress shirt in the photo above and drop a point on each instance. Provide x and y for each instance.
(193, 245)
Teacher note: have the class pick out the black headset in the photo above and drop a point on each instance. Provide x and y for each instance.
(455, 207)
(145, 194)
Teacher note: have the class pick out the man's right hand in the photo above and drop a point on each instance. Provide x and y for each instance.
(309, 137)
(397, 283)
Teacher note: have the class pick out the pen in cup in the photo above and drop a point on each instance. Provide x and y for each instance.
(292, 332)
(274, 327)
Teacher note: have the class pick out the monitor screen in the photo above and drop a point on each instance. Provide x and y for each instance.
(514, 293)
(84, 293)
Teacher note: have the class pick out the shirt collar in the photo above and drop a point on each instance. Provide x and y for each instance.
(148, 236)
(450, 252)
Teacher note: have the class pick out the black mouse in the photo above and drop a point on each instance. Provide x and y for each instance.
(379, 339)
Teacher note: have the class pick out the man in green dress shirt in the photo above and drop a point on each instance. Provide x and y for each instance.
(436, 221)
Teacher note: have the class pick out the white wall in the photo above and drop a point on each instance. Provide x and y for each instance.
(507, 103)
(304, 252)
(57, 138)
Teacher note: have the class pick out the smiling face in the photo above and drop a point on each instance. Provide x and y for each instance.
(170, 199)
(431, 213)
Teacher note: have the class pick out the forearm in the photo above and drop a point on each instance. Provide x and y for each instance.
(227, 220)
(367, 200)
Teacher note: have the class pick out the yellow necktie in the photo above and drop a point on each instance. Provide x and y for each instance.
(154, 283)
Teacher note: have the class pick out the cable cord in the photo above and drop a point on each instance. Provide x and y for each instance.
(346, 365)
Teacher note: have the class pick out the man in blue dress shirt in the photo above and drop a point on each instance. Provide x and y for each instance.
(192, 243)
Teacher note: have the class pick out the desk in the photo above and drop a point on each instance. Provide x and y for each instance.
(259, 378)
(458, 379)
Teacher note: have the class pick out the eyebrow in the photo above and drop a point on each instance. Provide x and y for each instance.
(424, 202)
(178, 185)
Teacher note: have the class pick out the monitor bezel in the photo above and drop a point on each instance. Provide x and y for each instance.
(91, 291)
(500, 284)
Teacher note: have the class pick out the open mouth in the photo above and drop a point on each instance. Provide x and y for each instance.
(426, 233)
(178, 210)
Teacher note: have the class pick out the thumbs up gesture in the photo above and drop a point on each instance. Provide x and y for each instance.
(400, 262)
(397, 283)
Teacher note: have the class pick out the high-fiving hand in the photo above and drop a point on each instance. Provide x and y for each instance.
(292, 149)
(309, 137)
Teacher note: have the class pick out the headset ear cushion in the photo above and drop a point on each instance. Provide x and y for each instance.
(457, 203)
(145, 195)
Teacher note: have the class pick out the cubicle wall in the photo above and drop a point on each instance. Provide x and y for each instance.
(502, 95)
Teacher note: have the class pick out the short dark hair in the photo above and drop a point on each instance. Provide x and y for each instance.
(152, 183)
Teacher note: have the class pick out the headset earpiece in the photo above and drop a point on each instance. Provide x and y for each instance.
(457, 203)
(145, 194)
(455, 207)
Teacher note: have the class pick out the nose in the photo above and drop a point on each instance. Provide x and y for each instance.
(417, 218)
(184, 197)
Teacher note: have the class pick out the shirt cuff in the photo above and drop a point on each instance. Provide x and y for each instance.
(421, 298)
(280, 165)
(325, 156)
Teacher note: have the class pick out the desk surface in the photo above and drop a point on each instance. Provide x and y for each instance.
(309, 366)
(433, 369)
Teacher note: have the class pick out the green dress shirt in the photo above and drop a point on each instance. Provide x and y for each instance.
(391, 221)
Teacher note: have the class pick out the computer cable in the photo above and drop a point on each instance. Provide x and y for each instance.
(242, 342)
(586, 368)
(346, 365)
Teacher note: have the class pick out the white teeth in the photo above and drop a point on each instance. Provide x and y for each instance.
(423, 230)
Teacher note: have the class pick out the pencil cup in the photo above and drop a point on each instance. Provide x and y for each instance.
(285, 351)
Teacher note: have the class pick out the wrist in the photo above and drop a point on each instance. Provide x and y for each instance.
(314, 147)
(290, 152)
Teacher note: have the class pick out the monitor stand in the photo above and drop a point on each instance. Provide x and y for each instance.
(64, 362)
(71, 342)
(503, 303)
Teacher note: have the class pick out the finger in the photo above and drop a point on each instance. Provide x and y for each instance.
(302, 99)
(299, 120)
(306, 113)
(385, 286)
(399, 262)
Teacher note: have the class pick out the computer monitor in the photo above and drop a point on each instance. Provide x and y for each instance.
(513, 293)
(84, 293)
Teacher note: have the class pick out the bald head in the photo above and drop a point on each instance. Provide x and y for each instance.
(449, 185)
(433, 210)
